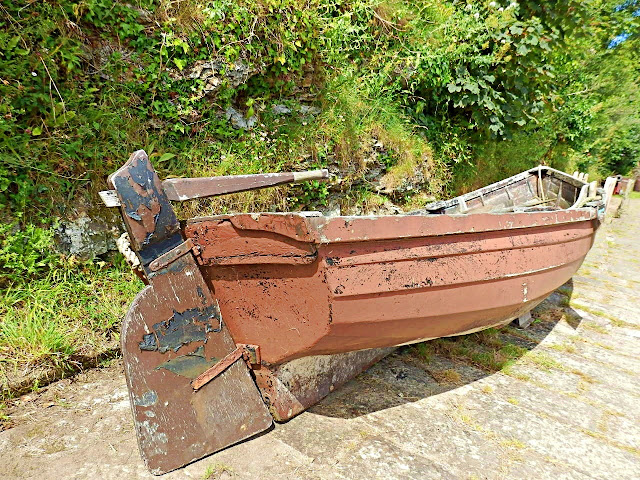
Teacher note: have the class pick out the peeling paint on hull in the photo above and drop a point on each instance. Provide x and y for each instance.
(443, 276)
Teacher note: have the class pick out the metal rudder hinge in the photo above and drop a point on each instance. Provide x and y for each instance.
(250, 353)
(173, 254)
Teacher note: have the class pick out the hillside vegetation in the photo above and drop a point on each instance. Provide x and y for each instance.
(404, 101)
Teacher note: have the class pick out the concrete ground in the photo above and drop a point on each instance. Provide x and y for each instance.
(568, 408)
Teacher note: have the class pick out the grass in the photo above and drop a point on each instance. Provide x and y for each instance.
(446, 376)
(5, 419)
(513, 443)
(595, 327)
(615, 321)
(215, 471)
(512, 372)
(543, 361)
(490, 352)
(424, 351)
(60, 321)
(484, 350)
(601, 436)
(564, 347)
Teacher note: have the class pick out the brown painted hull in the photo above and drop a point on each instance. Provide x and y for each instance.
(301, 285)
(310, 301)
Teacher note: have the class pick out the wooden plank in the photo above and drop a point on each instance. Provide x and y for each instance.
(181, 189)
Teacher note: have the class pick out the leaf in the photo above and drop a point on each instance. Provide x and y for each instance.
(522, 50)
(516, 30)
(166, 156)
(180, 63)
(472, 87)
(452, 87)
(13, 42)
(36, 131)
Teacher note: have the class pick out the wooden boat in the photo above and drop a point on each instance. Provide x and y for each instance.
(310, 301)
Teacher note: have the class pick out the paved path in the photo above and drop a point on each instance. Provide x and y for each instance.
(568, 408)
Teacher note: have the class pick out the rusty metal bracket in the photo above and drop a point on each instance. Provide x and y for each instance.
(173, 254)
(250, 354)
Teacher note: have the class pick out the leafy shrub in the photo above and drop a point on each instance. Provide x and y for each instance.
(85, 83)
(621, 152)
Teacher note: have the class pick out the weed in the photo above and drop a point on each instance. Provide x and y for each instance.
(513, 401)
(487, 389)
(513, 443)
(214, 471)
(564, 347)
(446, 376)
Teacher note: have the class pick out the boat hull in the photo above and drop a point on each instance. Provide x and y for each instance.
(301, 286)
(309, 301)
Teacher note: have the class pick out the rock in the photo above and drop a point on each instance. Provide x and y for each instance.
(309, 111)
(214, 72)
(391, 184)
(86, 237)
(239, 121)
(280, 109)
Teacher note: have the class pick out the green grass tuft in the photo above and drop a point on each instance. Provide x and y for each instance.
(57, 321)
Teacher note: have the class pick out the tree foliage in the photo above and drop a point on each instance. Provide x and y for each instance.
(83, 83)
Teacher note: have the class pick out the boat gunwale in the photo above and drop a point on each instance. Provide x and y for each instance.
(317, 226)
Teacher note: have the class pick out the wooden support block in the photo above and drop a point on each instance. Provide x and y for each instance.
(523, 321)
